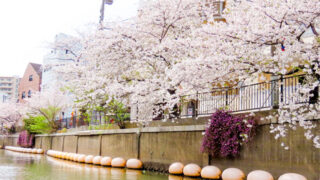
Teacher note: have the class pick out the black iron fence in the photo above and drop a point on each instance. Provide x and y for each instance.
(264, 95)
(95, 119)
(257, 96)
(71, 122)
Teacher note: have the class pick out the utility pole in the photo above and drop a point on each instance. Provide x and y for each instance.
(104, 2)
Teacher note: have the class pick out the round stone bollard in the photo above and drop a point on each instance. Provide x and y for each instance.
(106, 161)
(72, 156)
(66, 155)
(75, 157)
(233, 174)
(134, 164)
(89, 159)
(118, 162)
(59, 154)
(54, 154)
(259, 175)
(96, 160)
(176, 168)
(69, 155)
(211, 172)
(292, 176)
(49, 152)
(40, 151)
(192, 170)
(63, 155)
(82, 158)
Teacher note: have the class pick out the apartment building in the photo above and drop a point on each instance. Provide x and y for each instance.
(3, 97)
(65, 52)
(9, 87)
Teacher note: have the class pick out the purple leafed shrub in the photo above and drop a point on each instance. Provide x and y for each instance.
(25, 139)
(226, 133)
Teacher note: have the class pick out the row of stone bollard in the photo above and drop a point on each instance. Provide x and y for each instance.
(213, 172)
(97, 160)
(24, 150)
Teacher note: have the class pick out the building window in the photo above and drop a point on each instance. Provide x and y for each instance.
(30, 78)
(23, 95)
(67, 51)
(29, 94)
(217, 8)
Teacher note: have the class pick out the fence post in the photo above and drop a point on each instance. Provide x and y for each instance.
(196, 105)
(180, 106)
(274, 92)
(226, 97)
(281, 89)
(74, 122)
(240, 97)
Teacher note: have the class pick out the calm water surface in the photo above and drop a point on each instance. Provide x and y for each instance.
(22, 166)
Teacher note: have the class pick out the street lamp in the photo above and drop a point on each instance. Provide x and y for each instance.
(104, 2)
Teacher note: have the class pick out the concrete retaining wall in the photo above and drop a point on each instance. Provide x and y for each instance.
(70, 144)
(9, 140)
(89, 145)
(38, 141)
(120, 145)
(57, 143)
(46, 142)
(265, 152)
(158, 147)
(166, 147)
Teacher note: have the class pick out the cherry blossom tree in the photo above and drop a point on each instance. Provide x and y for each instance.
(48, 104)
(177, 47)
(271, 37)
(10, 114)
(130, 62)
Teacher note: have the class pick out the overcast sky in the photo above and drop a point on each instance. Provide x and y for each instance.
(28, 25)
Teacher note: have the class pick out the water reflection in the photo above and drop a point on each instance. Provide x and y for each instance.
(23, 166)
(173, 177)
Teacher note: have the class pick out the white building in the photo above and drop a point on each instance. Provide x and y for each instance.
(9, 86)
(4, 97)
(65, 49)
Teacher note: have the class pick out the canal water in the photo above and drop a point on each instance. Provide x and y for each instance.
(22, 166)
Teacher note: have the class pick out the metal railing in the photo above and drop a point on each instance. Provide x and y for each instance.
(71, 122)
(97, 118)
(264, 95)
(245, 98)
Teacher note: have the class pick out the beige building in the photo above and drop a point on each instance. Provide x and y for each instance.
(9, 86)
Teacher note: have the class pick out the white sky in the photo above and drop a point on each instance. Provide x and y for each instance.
(26, 26)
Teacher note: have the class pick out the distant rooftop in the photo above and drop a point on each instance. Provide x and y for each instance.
(37, 68)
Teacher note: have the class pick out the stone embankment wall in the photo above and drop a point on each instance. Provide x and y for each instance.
(158, 147)
(11, 140)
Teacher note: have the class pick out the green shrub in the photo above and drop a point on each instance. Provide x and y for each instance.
(64, 130)
(119, 113)
(37, 125)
